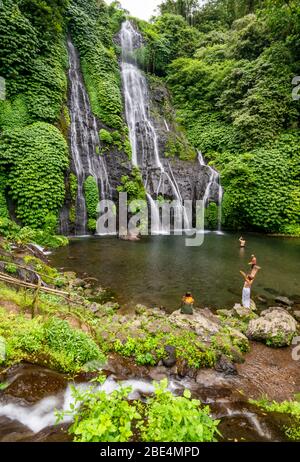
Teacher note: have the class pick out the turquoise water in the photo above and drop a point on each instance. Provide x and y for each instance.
(158, 269)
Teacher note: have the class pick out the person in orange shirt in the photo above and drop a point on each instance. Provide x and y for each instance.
(187, 304)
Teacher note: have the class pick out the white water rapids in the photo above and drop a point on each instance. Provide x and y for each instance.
(42, 414)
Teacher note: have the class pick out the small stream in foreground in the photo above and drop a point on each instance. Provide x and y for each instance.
(157, 271)
(27, 405)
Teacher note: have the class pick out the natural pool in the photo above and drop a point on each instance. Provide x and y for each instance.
(159, 269)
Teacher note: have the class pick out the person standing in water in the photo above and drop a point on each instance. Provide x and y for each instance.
(246, 296)
(253, 262)
(242, 242)
(187, 306)
(254, 267)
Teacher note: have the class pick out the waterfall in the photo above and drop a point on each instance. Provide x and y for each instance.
(84, 142)
(214, 179)
(220, 199)
(142, 133)
(166, 125)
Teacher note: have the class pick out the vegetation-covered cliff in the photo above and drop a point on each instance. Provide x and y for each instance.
(228, 66)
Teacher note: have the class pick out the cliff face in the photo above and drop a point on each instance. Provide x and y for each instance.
(175, 151)
(169, 165)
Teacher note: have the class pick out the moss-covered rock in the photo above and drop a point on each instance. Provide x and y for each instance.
(275, 327)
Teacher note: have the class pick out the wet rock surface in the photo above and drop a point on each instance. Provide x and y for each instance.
(225, 366)
(284, 301)
(296, 315)
(32, 383)
(266, 372)
(274, 326)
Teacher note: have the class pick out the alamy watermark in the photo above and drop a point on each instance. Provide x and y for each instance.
(140, 217)
(296, 349)
(2, 350)
(296, 89)
(2, 89)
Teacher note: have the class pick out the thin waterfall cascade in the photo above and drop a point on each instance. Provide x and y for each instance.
(166, 125)
(142, 133)
(84, 142)
(213, 183)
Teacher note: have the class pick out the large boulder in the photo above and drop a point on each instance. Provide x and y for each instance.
(203, 322)
(239, 311)
(275, 327)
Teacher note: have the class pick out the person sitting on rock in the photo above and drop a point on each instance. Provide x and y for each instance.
(187, 304)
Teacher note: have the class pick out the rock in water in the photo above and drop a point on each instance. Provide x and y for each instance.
(170, 360)
(225, 366)
(296, 315)
(275, 327)
(284, 301)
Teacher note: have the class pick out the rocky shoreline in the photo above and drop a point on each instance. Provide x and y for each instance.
(153, 337)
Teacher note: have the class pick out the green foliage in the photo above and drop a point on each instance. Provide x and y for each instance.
(291, 408)
(49, 275)
(234, 98)
(102, 417)
(33, 61)
(10, 268)
(74, 344)
(26, 235)
(46, 17)
(35, 159)
(167, 39)
(19, 47)
(14, 113)
(149, 349)
(36, 82)
(47, 86)
(178, 147)
(98, 59)
(177, 419)
(92, 225)
(211, 216)
(133, 186)
(3, 204)
(106, 136)
(53, 343)
(91, 193)
(286, 407)
(73, 186)
(262, 188)
(8, 228)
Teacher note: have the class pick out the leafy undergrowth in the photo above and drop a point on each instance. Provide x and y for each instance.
(102, 417)
(145, 338)
(149, 350)
(291, 408)
(25, 235)
(146, 344)
(51, 342)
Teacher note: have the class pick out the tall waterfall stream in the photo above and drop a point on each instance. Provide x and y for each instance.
(84, 142)
(143, 135)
